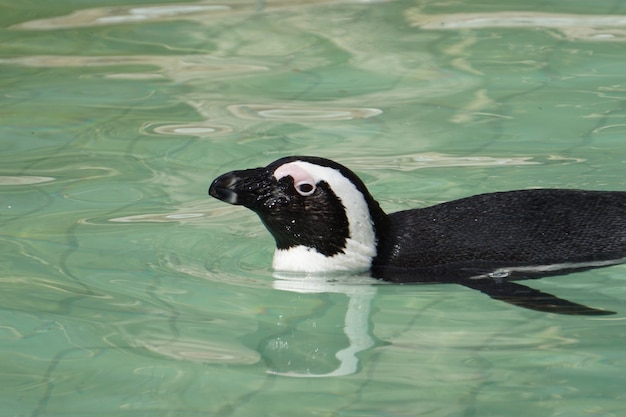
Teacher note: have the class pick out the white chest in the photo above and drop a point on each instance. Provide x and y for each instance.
(357, 257)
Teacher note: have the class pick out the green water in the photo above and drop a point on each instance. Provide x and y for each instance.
(127, 291)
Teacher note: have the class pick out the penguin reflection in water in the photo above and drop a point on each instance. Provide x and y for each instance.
(324, 219)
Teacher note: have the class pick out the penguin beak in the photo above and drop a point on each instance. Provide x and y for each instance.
(223, 188)
(251, 188)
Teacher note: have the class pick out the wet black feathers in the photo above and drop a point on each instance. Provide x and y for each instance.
(526, 227)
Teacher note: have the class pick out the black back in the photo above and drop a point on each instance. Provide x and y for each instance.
(476, 234)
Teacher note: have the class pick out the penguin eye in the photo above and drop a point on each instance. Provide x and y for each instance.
(305, 188)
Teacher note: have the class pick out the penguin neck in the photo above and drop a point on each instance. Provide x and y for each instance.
(356, 257)
(367, 222)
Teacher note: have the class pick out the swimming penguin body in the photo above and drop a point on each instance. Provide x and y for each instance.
(323, 218)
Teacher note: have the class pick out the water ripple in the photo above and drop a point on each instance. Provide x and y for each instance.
(154, 218)
(186, 129)
(181, 67)
(198, 350)
(299, 112)
(120, 15)
(410, 162)
(572, 26)
(23, 180)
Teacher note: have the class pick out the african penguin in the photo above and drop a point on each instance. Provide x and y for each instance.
(324, 219)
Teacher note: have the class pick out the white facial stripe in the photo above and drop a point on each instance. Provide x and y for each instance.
(295, 171)
(504, 272)
(361, 245)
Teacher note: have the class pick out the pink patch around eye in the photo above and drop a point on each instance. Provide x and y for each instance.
(292, 169)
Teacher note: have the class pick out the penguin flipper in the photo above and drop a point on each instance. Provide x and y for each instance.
(532, 299)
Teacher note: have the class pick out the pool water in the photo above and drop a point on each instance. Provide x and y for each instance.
(126, 290)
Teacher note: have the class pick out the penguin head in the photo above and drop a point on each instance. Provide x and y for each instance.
(320, 213)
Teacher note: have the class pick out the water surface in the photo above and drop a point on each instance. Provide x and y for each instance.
(127, 291)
